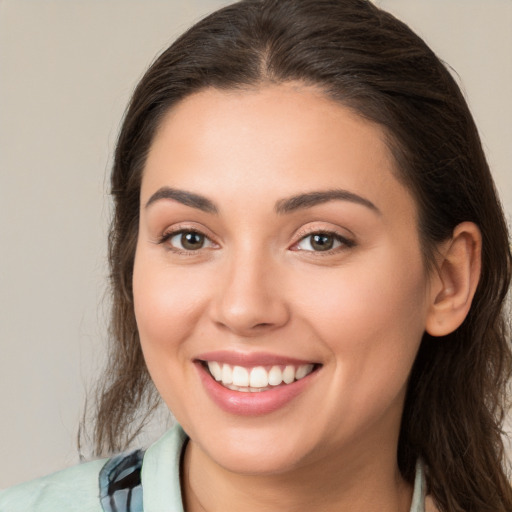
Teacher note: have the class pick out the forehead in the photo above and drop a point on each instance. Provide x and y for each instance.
(276, 140)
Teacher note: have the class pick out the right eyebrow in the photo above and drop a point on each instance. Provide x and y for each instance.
(187, 198)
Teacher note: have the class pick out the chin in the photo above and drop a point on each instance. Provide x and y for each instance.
(259, 461)
(257, 449)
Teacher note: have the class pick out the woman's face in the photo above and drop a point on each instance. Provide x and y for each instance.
(278, 252)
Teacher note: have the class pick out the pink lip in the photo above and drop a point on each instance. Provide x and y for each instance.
(251, 404)
(249, 359)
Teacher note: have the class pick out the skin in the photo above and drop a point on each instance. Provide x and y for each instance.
(359, 310)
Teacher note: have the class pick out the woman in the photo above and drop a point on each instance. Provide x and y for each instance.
(309, 262)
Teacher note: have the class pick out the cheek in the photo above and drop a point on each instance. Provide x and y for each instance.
(381, 289)
(371, 316)
(167, 307)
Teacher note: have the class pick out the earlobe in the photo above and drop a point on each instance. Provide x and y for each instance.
(455, 279)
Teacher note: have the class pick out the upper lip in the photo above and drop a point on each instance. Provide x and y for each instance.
(250, 359)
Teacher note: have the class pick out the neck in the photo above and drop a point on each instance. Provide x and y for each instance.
(330, 484)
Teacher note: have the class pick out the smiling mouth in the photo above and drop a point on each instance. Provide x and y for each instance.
(257, 378)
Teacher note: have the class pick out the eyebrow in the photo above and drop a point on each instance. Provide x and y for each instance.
(184, 197)
(283, 206)
(311, 199)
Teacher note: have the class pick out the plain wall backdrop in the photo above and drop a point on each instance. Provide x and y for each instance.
(67, 69)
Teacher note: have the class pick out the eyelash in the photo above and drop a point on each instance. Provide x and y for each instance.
(168, 235)
(345, 243)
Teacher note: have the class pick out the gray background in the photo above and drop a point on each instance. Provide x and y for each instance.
(66, 72)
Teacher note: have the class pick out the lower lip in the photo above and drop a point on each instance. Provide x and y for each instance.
(251, 404)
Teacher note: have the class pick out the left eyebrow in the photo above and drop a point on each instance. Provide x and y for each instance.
(311, 199)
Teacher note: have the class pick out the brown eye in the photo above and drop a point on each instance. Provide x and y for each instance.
(191, 241)
(188, 241)
(322, 242)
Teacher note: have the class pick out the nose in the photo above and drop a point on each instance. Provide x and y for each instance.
(250, 299)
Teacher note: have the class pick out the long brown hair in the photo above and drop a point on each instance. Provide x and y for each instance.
(369, 61)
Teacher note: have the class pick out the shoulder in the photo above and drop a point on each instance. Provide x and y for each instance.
(116, 483)
(75, 490)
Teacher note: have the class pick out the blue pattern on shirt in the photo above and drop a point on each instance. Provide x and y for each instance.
(120, 483)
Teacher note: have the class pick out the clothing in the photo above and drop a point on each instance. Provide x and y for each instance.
(77, 489)
(107, 485)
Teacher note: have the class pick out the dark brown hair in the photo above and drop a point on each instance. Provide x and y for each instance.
(369, 61)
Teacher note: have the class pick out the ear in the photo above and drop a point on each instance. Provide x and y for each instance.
(454, 280)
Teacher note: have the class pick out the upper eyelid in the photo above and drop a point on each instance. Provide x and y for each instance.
(340, 238)
(346, 240)
(171, 234)
(308, 231)
(180, 228)
(300, 234)
(168, 234)
(172, 231)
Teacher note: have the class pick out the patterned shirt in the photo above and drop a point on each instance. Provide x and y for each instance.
(120, 483)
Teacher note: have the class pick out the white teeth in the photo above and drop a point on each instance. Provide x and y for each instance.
(240, 376)
(275, 376)
(227, 374)
(258, 378)
(303, 370)
(289, 375)
(215, 370)
(245, 389)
